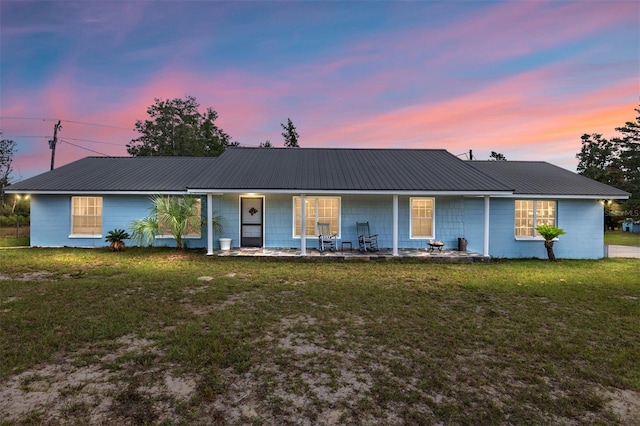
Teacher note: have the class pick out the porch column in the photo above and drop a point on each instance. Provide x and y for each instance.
(395, 225)
(485, 251)
(209, 227)
(303, 227)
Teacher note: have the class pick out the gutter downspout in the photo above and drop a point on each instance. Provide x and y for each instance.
(485, 251)
(209, 227)
(395, 224)
(303, 227)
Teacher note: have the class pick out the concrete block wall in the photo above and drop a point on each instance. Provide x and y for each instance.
(455, 217)
(582, 220)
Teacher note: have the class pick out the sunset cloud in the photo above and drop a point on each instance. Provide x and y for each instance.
(523, 78)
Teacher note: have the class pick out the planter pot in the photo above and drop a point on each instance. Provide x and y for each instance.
(225, 243)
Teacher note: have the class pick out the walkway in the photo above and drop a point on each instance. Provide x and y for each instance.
(444, 256)
(622, 251)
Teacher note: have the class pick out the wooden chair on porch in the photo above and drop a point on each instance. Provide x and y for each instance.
(326, 240)
(365, 239)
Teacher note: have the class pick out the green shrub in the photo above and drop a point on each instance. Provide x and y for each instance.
(10, 220)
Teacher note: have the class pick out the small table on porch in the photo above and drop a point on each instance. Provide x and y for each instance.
(435, 245)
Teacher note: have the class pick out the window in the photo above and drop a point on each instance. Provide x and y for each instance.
(531, 213)
(193, 230)
(86, 216)
(317, 209)
(422, 217)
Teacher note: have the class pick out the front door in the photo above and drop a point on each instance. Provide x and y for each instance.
(251, 214)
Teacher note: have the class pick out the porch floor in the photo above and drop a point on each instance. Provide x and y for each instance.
(444, 256)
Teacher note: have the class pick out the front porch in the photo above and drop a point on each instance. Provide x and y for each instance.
(422, 254)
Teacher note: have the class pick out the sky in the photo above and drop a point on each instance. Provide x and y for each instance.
(523, 78)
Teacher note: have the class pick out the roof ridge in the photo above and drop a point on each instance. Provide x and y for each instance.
(336, 149)
(506, 161)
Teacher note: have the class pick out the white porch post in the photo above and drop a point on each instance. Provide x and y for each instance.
(303, 227)
(209, 227)
(395, 224)
(486, 226)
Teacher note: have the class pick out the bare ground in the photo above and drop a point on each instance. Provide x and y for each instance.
(131, 384)
(299, 379)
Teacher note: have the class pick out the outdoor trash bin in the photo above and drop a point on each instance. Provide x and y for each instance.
(462, 244)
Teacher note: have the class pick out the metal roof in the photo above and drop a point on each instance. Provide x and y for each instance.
(314, 170)
(367, 170)
(542, 178)
(119, 174)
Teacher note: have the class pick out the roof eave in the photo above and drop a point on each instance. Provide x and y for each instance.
(97, 191)
(571, 196)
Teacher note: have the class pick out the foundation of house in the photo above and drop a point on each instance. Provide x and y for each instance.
(422, 254)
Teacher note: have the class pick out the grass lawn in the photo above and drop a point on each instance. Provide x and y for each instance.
(14, 241)
(622, 238)
(163, 337)
(8, 237)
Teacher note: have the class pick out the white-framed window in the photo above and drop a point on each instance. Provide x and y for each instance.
(422, 214)
(86, 217)
(317, 209)
(531, 213)
(164, 229)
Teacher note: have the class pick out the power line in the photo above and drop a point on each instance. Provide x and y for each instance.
(72, 139)
(26, 118)
(26, 136)
(101, 142)
(99, 125)
(468, 155)
(82, 147)
(66, 121)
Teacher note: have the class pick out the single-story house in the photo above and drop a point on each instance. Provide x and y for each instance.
(630, 225)
(274, 197)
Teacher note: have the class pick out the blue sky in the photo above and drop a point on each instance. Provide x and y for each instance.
(524, 78)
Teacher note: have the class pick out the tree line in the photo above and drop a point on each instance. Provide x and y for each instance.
(176, 127)
(616, 162)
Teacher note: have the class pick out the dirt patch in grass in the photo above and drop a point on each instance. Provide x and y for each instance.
(29, 276)
(94, 387)
(624, 403)
(276, 344)
(301, 376)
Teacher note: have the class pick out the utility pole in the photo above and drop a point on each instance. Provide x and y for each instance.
(470, 154)
(53, 142)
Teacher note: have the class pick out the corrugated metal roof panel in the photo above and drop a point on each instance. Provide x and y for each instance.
(98, 174)
(345, 169)
(314, 169)
(539, 177)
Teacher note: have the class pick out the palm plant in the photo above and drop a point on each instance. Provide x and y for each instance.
(175, 215)
(116, 239)
(549, 232)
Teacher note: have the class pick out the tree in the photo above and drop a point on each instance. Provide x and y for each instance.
(614, 161)
(265, 144)
(176, 127)
(629, 159)
(176, 215)
(549, 232)
(7, 149)
(599, 159)
(290, 135)
(496, 156)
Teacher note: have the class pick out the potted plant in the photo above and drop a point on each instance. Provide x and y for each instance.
(549, 233)
(116, 239)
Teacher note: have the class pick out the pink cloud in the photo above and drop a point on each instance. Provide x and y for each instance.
(512, 115)
(340, 99)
